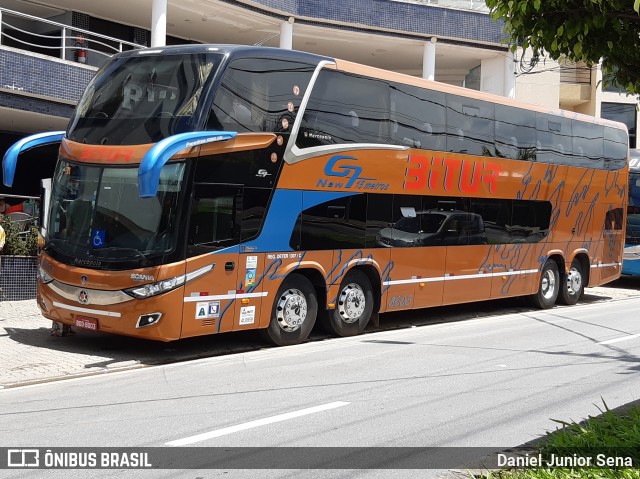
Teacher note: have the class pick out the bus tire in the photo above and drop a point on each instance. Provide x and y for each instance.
(354, 306)
(572, 284)
(549, 286)
(294, 311)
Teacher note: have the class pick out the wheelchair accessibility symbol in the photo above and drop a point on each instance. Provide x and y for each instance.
(98, 238)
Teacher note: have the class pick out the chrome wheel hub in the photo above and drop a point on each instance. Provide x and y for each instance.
(291, 310)
(574, 281)
(548, 284)
(351, 303)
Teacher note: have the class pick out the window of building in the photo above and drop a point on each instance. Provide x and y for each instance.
(624, 113)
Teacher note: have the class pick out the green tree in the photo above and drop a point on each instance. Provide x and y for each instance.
(580, 30)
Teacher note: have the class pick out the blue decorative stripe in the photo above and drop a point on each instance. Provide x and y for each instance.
(159, 154)
(284, 210)
(10, 159)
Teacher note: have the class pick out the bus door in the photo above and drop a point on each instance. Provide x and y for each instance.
(211, 299)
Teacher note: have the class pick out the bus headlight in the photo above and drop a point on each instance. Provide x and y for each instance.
(153, 289)
(159, 287)
(44, 276)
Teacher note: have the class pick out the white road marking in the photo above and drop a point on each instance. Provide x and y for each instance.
(257, 423)
(617, 340)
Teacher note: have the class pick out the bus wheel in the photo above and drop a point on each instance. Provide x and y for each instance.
(549, 286)
(354, 305)
(294, 311)
(572, 285)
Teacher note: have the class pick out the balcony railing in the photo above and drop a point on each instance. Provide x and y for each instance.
(474, 5)
(26, 32)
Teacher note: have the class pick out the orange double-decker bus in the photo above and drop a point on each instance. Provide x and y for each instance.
(204, 189)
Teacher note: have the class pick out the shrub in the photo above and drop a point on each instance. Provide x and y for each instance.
(17, 243)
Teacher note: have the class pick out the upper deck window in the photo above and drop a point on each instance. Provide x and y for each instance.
(259, 95)
(345, 108)
(142, 99)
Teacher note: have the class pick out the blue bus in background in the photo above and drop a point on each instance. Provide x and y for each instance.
(631, 261)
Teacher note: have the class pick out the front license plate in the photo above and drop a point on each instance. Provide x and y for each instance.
(87, 323)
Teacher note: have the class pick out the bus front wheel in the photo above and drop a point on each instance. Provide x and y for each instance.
(549, 286)
(354, 306)
(294, 311)
(572, 284)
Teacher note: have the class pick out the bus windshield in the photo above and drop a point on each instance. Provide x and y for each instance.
(97, 215)
(142, 99)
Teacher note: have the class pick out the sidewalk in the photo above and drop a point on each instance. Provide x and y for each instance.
(29, 354)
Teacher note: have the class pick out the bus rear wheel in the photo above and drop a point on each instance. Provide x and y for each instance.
(354, 306)
(294, 311)
(572, 284)
(549, 286)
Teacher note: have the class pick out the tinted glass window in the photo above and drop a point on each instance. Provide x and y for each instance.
(214, 219)
(530, 221)
(258, 95)
(254, 207)
(378, 217)
(336, 224)
(470, 126)
(513, 221)
(249, 168)
(554, 143)
(615, 148)
(142, 99)
(515, 133)
(588, 144)
(624, 113)
(496, 217)
(613, 219)
(345, 108)
(418, 117)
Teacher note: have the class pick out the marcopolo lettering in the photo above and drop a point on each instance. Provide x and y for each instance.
(452, 174)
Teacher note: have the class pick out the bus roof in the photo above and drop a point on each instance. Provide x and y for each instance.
(235, 51)
(244, 51)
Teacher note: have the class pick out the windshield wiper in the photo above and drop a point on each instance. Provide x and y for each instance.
(144, 259)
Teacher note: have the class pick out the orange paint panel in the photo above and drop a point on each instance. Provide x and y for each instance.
(242, 142)
(467, 278)
(118, 318)
(109, 154)
(209, 300)
(108, 280)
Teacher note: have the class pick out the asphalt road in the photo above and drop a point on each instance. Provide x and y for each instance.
(496, 381)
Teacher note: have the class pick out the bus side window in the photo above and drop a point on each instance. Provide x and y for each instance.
(335, 224)
(615, 148)
(470, 126)
(345, 108)
(554, 134)
(418, 117)
(588, 145)
(214, 220)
